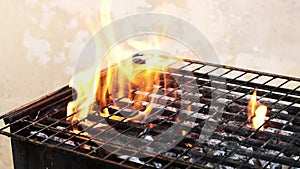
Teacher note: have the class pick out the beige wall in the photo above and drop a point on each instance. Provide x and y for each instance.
(41, 40)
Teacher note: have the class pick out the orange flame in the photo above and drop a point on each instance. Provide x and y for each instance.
(256, 112)
(133, 82)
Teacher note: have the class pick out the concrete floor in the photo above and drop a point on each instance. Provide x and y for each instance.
(40, 41)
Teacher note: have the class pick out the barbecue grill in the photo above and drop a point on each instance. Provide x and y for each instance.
(42, 137)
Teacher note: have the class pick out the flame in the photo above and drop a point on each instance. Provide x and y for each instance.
(256, 112)
(86, 82)
(260, 116)
(134, 82)
(252, 105)
(123, 78)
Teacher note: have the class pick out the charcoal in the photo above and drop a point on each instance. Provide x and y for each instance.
(185, 158)
(233, 107)
(209, 165)
(101, 152)
(219, 153)
(157, 165)
(169, 154)
(174, 167)
(230, 145)
(224, 167)
(275, 166)
(148, 138)
(132, 159)
(38, 134)
(138, 61)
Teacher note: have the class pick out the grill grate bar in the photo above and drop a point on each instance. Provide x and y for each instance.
(294, 162)
(243, 70)
(37, 119)
(71, 126)
(218, 85)
(192, 114)
(119, 135)
(232, 102)
(164, 120)
(256, 132)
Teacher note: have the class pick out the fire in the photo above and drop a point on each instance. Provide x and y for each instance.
(124, 83)
(127, 84)
(134, 82)
(256, 112)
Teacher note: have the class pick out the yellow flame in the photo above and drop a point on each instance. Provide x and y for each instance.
(105, 12)
(121, 77)
(256, 112)
(259, 118)
(87, 81)
(135, 82)
(252, 106)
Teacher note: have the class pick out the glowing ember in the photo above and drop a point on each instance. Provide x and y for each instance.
(256, 112)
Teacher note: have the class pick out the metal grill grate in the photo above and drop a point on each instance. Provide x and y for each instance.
(233, 144)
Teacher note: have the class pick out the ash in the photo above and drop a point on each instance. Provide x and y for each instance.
(55, 138)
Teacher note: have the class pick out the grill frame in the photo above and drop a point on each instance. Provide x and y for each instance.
(17, 115)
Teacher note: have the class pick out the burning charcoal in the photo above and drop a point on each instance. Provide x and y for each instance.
(85, 146)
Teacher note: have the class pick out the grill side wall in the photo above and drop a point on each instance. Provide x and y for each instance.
(31, 156)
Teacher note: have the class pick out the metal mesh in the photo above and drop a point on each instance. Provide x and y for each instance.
(233, 144)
